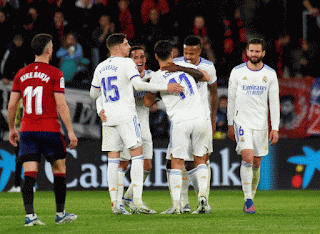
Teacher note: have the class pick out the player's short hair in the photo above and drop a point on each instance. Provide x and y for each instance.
(137, 47)
(39, 42)
(163, 49)
(115, 39)
(257, 41)
(192, 41)
(225, 97)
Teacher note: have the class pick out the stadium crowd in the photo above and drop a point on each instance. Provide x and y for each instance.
(224, 26)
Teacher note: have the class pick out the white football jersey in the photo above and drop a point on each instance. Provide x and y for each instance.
(113, 77)
(208, 67)
(180, 106)
(142, 110)
(248, 95)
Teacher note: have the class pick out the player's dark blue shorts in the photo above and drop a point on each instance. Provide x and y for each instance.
(35, 144)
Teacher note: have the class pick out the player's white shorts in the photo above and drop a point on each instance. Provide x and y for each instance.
(115, 138)
(247, 138)
(188, 133)
(210, 144)
(147, 146)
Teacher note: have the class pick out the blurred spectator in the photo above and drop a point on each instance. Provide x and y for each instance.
(6, 27)
(10, 12)
(58, 29)
(154, 30)
(162, 6)
(72, 62)
(81, 20)
(222, 122)
(99, 37)
(125, 19)
(14, 58)
(199, 29)
(304, 61)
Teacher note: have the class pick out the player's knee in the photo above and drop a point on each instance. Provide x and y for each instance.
(124, 165)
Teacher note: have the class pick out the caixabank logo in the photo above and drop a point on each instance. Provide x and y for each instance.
(298, 164)
(309, 163)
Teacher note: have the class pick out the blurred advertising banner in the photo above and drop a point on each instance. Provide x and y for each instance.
(291, 164)
(83, 113)
(294, 107)
(314, 112)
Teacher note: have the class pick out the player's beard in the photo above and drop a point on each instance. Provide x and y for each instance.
(256, 61)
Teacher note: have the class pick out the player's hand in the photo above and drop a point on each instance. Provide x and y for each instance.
(231, 132)
(14, 137)
(103, 117)
(273, 137)
(73, 140)
(175, 88)
(171, 68)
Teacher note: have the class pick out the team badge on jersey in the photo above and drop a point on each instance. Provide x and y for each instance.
(244, 78)
(264, 79)
(242, 139)
(62, 83)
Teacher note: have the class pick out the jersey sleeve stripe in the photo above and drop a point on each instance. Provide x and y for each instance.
(134, 77)
(97, 87)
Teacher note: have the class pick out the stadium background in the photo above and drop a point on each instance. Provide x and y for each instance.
(293, 163)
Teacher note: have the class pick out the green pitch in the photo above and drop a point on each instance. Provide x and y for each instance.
(277, 212)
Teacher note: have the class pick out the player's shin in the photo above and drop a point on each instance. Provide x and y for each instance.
(255, 180)
(202, 179)
(113, 166)
(60, 190)
(184, 199)
(121, 175)
(175, 184)
(136, 174)
(246, 179)
(208, 180)
(30, 178)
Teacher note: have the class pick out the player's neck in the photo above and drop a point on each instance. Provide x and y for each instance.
(142, 73)
(254, 67)
(42, 59)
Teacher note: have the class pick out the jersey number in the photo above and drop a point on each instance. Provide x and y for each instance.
(110, 91)
(185, 79)
(29, 93)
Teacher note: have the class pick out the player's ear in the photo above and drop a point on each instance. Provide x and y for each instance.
(156, 56)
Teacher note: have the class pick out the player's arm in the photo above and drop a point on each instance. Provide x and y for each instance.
(149, 99)
(274, 104)
(153, 87)
(232, 88)
(100, 110)
(213, 89)
(197, 74)
(64, 112)
(12, 110)
(95, 92)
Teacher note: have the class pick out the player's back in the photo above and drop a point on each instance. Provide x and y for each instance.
(113, 77)
(37, 84)
(182, 106)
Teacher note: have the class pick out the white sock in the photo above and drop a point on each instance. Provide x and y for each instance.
(208, 181)
(136, 174)
(121, 175)
(193, 177)
(255, 180)
(168, 179)
(60, 214)
(184, 199)
(129, 192)
(113, 166)
(246, 179)
(175, 184)
(202, 179)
